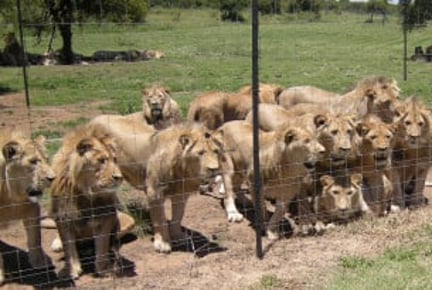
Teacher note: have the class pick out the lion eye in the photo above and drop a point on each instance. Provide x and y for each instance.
(349, 132)
(407, 123)
(34, 161)
(216, 151)
(349, 192)
(420, 124)
(201, 152)
(388, 136)
(336, 192)
(334, 132)
(103, 160)
(373, 137)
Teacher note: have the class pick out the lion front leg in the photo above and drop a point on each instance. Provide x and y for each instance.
(178, 204)
(272, 230)
(105, 239)
(34, 241)
(417, 197)
(161, 239)
(68, 239)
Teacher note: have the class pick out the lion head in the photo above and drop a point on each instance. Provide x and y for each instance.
(414, 123)
(86, 165)
(341, 194)
(382, 95)
(301, 144)
(156, 103)
(376, 141)
(337, 134)
(193, 151)
(25, 171)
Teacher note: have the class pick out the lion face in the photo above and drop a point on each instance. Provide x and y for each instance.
(27, 170)
(341, 194)
(305, 146)
(94, 167)
(376, 141)
(337, 135)
(382, 98)
(203, 150)
(414, 123)
(156, 98)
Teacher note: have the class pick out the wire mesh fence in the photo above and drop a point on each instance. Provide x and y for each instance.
(382, 169)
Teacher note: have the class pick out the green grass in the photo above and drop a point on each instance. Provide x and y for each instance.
(405, 267)
(205, 54)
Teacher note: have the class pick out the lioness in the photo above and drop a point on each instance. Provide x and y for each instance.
(412, 152)
(170, 163)
(285, 155)
(372, 95)
(84, 198)
(374, 160)
(305, 94)
(24, 174)
(215, 108)
(339, 199)
(159, 109)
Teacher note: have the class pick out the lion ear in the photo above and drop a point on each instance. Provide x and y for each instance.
(370, 94)
(356, 179)
(84, 146)
(326, 180)
(10, 150)
(185, 140)
(167, 90)
(290, 135)
(320, 120)
(145, 92)
(362, 129)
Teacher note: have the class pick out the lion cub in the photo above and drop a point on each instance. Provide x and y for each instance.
(84, 198)
(339, 200)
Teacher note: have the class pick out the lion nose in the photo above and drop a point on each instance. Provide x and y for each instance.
(117, 177)
(213, 171)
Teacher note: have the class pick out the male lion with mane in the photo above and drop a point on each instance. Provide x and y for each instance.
(159, 109)
(84, 198)
(167, 164)
(24, 174)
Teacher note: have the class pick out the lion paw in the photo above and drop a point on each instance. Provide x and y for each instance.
(234, 216)
(271, 235)
(161, 246)
(57, 245)
(320, 227)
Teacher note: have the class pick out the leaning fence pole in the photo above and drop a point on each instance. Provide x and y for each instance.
(255, 101)
(23, 56)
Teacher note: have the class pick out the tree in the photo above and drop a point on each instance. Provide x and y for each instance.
(63, 14)
(377, 6)
(416, 14)
(230, 9)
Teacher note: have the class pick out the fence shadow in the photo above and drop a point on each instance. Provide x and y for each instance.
(18, 270)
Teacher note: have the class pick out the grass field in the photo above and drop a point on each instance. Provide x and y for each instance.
(205, 54)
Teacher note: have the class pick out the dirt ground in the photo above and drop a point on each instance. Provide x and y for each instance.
(219, 255)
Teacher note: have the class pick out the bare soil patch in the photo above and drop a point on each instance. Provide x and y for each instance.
(220, 255)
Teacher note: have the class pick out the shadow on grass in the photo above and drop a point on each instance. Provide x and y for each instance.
(6, 90)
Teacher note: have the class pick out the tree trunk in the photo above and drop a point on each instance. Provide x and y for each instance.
(65, 27)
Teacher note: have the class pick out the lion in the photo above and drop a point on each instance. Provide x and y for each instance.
(375, 146)
(411, 154)
(160, 110)
(340, 198)
(24, 175)
(373, 95)
(215, 108)
(12, 54)
(84, 198)
(285, 156)
(167, 164)
(292, 96)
